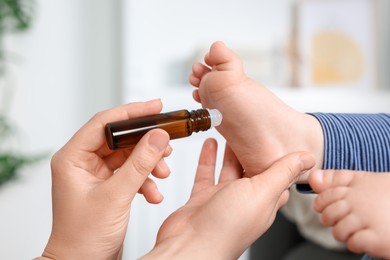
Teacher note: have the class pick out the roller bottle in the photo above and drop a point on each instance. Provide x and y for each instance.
(178, 124)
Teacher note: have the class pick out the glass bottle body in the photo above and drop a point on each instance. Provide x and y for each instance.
(178, 124)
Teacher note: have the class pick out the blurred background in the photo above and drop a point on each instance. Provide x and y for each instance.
(80, 57)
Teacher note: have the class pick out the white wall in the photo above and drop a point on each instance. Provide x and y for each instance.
(161, 37)
(66, 70)
(384, 42)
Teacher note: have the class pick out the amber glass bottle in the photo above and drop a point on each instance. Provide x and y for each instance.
(178, 124)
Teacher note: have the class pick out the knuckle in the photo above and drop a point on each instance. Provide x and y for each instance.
(97, 116)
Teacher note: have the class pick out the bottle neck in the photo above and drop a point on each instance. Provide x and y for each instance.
(200, 119)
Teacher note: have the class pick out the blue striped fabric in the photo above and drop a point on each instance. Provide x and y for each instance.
(356, 141)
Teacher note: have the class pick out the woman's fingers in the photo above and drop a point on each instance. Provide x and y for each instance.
(91, 136)
(146, 155)
(205, 172)
(231, 168)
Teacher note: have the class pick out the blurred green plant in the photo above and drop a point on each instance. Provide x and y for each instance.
(15, 16)
(11, 160)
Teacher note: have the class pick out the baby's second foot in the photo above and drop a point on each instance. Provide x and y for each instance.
(258, 126)
(357, 206)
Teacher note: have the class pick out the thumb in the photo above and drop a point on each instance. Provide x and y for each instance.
(143, 159)
(282, 174)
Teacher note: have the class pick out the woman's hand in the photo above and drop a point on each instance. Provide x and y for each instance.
(93, 187)
(221, 220)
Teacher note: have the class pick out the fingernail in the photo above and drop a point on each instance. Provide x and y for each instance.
(158, 140)
(154, 101)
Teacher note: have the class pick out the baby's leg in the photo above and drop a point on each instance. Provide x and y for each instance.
(357, 206)
(259, 127)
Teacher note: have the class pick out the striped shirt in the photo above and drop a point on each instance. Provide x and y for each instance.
(356, 141)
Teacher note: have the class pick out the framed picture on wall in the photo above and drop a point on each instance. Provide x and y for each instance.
(336, 43)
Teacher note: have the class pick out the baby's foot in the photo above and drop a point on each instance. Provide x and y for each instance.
(259, 127)
(357, 206)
